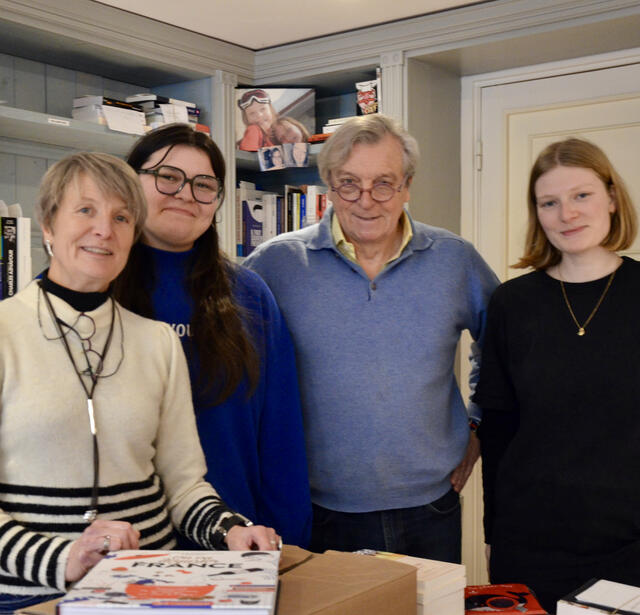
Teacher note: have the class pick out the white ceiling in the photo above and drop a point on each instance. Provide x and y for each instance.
(257, 24)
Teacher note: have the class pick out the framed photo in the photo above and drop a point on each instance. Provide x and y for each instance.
(273, 116)
(271, 158)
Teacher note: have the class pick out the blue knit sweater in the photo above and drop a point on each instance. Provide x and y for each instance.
(254, 447)
(384, 419)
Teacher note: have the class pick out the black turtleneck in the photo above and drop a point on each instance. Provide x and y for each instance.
(83, 302)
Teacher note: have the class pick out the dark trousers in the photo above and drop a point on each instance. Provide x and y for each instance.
(432, 531)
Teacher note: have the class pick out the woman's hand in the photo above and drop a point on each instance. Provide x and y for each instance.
(95, 542)
(241, 538)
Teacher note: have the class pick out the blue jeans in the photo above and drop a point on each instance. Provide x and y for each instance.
(432, 531)
(12, 602)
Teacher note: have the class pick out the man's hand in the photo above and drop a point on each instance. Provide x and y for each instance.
(460, 475)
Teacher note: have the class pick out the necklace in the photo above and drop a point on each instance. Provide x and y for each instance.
(581, 328)
(94, 374)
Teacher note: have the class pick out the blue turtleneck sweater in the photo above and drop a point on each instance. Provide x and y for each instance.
(254, 447)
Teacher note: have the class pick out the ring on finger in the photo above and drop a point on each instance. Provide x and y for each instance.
(106, 545)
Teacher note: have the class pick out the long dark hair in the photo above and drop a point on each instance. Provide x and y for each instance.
(218, 336)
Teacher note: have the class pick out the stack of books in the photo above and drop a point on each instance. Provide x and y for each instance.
(440, 584)
(334, 123)
(102, 109)
(15, 249)
(160, 110)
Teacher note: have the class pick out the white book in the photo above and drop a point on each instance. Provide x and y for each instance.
(23, 268)
(177, 583)
(601, 596)
(270, 213)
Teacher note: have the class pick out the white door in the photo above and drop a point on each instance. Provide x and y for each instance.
(520, 119)
(507, 119)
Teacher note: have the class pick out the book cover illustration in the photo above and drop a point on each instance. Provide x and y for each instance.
(273, 116)
(242, 581)
(505, 598)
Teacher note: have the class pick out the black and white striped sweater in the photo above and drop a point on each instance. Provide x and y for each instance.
(151, 463)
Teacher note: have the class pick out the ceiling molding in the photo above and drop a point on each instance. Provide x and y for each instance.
(456, 28)
(115, 36)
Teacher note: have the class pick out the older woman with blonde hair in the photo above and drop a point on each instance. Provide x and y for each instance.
(560, 383)
(99, 445)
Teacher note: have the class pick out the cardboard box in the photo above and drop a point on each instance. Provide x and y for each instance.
(330, 583)
(336, 583)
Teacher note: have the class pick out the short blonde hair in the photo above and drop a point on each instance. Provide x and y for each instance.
(369, 130)
(111, 175)
(539, 253)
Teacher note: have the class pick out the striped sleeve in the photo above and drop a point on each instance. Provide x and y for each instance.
(29, 559)
(207, 522)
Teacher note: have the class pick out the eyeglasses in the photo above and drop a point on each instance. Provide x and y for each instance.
(253, 96)
(170, 180)
(380, 192)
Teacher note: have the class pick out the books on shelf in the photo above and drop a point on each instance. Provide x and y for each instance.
(118, 115)
(261, 214)
(440, 584)
(15, 250)
(176, 582)
(505, 598)
(150, 97)
(599, 596)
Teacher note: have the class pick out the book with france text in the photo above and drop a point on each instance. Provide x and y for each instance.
(177, 582)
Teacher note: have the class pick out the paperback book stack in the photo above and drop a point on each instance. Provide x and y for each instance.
(15, 250)
(176, 582)
(440, 584)
(160, 110)
(117, 114)
(334, 123)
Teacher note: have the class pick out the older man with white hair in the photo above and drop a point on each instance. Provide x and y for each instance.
(376, 303)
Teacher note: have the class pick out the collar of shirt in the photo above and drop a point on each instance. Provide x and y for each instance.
(348, 251)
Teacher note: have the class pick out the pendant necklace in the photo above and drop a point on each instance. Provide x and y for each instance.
(581, 328)
(91, 513)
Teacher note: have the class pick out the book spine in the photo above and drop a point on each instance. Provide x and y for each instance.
(279, 215)
(9, 237)
(303, 210)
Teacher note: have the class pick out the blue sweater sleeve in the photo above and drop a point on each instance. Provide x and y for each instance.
(284, 500)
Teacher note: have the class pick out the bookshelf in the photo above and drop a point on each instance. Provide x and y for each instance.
(34, 127)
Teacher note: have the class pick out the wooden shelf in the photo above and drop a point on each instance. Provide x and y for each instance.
(62, 131)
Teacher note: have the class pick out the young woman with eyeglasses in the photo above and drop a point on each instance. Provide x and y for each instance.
(240, 354)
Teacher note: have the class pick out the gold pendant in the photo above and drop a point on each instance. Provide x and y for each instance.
(580, 331)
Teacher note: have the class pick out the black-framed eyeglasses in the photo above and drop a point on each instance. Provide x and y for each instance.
(170, 180)
(380, 192)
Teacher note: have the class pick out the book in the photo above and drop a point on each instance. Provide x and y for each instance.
(177, 582)
(600, 596)
(252, 221)
(505, 598)
(145, 97)
(440, 585)
(88, 100)
(10, 248)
